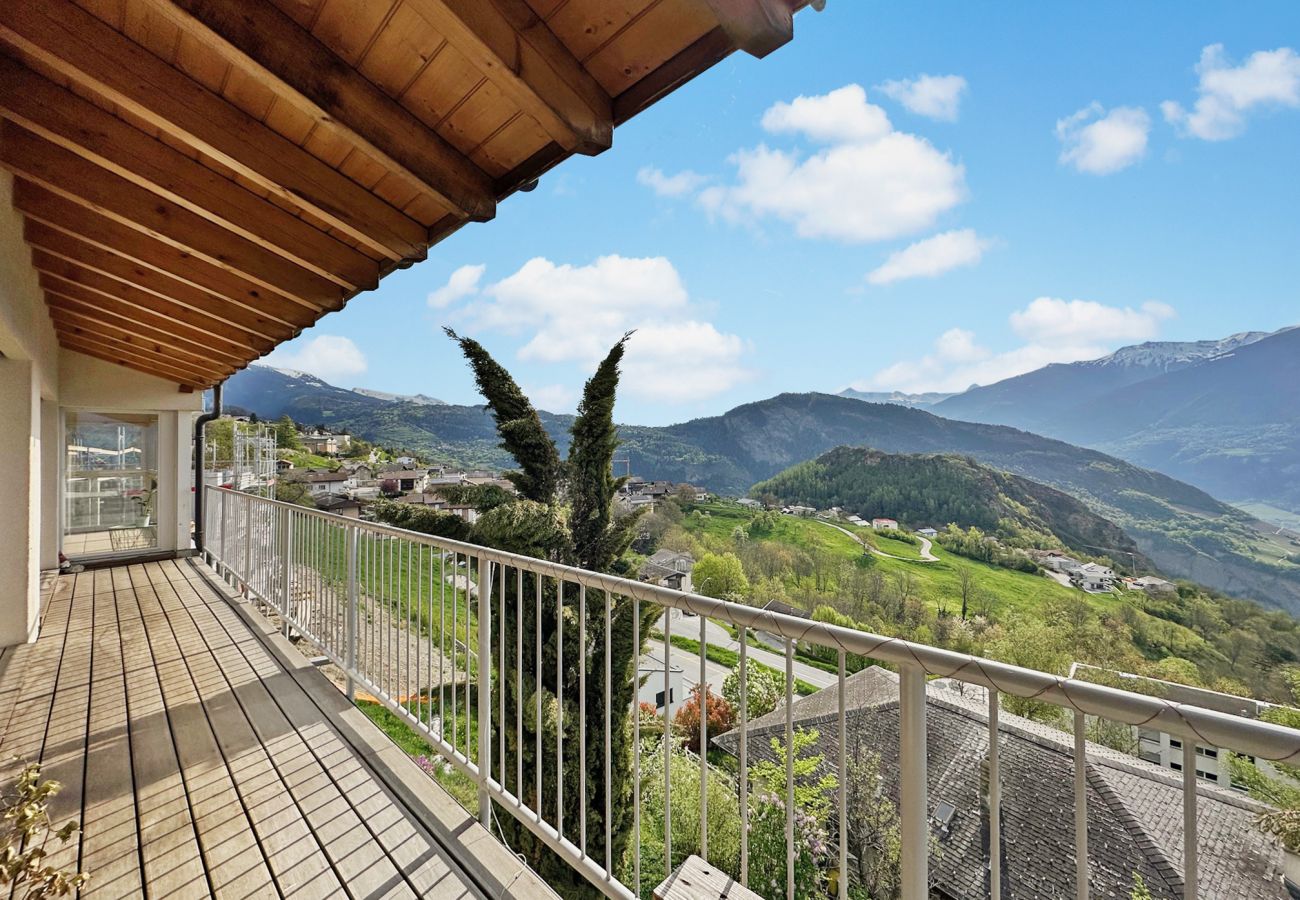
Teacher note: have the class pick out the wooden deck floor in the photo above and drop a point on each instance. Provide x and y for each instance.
(204, 758)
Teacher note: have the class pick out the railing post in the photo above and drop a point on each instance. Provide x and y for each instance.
(914, 815)
(246, 561)
(286, 573)
(225, 529)
(484, 689)
(350, 618)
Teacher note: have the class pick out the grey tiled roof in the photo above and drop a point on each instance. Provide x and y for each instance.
(1134, 808)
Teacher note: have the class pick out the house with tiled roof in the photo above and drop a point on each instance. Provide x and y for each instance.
(1134, 809)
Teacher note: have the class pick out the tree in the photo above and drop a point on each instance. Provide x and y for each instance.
(294, 492)
(812, 792)
(564, 513)
(286, 434)
(719, 575)
(767, 851)
(1281, 794)
(966, 584)
(763, 687)
(874, 839)
(389, 487)
(722, 717)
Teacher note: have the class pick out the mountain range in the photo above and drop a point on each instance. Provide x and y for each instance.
(900, 398)
(1223, 415)
(1182, 529)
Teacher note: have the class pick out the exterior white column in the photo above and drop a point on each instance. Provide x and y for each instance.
(20, 514)
(51, 478)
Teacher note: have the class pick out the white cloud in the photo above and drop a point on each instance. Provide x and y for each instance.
(1226, 93)
(574, 314)
(1054, 331)
(1100, 142)
(328, 356)
(871, 183)
(559, 398)
(684, 182)
(462, 283)
(841, 116)
(933, 96)
(1049, 320)
(931, 257)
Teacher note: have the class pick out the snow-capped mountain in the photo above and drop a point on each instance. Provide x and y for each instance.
(418, 399)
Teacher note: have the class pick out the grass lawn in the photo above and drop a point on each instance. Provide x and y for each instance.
(412, 743)
(730, 658)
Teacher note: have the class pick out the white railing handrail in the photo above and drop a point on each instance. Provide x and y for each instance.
(1263, 740)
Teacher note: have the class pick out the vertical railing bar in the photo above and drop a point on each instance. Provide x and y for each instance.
(478, 659)
(636, 748)
(484, 702)
(501, 680)
(519, 685)
(789, 769)
(405, 634)
(350, 640)
(286, 597)
(559, 707)
(667, 740)
(455, 636)
(704, 738)
(538, 760)
(1080, 807)
(914, 818)
(608, 715)
(742, 635)
(582, 718)
(421, 654)
(844, 781)
(1191, 853)
(995, 797)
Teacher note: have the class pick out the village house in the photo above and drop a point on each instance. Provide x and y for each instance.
(927, 532)
(339, 505)
(806, 512)
(749, 503)
(670, 569)
(885, 524)
(407, 480)
(650, 675)
(1059, 562)
(323, 443)
(1093, 578)
(320, 483)
(1154, 586)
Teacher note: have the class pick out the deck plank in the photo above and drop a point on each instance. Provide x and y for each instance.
(110, 848)
(232, 855)
(295, 857)
(173, 864)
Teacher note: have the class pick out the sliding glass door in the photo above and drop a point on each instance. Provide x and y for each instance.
(110, 483)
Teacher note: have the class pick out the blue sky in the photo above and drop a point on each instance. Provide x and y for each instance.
(1067, 181)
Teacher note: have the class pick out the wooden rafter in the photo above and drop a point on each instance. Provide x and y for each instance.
(118, 356)
(251, 305)
(277, 51)
(756, 26)
(83, 48)
(65, 173)
(516, 50)
(114, 278)
(81, 127)
(144, 339)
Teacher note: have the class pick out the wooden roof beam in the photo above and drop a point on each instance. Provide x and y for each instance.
(175, 273)
(137, 337)
(74, 339)
(756, 26)
(81, 127)
(518, 52)
(32, 157)
(87, 301)
(80, 46)
(277, 51)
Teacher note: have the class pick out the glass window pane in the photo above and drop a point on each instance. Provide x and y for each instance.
(110, 483)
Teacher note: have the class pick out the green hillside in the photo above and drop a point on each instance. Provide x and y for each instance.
(938, 490)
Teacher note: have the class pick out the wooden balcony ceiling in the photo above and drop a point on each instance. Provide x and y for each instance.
(202, 179)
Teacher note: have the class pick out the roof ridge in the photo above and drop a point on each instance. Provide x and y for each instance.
(1145, 841)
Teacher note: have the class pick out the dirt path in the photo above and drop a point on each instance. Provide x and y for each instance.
(926, 555)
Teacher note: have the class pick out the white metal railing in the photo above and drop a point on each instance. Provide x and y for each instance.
(369, 596)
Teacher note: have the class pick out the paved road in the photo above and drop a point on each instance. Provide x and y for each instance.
(717, 636)
(690, 665)
(926, 555)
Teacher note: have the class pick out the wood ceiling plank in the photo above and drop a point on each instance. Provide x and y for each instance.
(140, 336)
(107, 303)
(62, 117)
(81, 47)
(77, 344)
(269, 46)
(648, 41)
(700, 55)
(513, 47)
(585, 27)
(118, 279)
(264, 311)
(81, 181)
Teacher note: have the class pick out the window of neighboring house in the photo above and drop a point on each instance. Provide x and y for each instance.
(659, 699)
(1208, 776)
(1177, 767)
(1175, 743)
(1208, 752)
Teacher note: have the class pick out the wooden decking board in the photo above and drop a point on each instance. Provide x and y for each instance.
(197, 755)
(232, 854)
(291, 850)
(110, 843)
